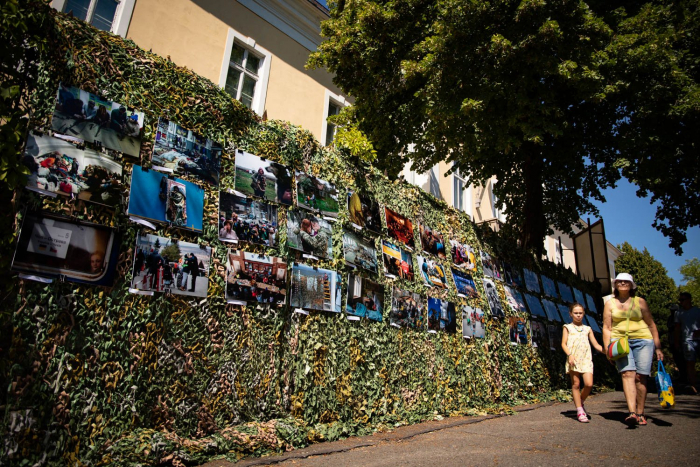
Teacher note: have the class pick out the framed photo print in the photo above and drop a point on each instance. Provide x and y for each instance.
(432, 241)
(317, 195)
(531, 282)
(464, 281)
(365, 298)
(264, 179)
(400, 228)
(432, 272)
(472, 322)
(535, 306)
(407, 310)
(493, 299)
(363, 211)
(441, 316)
(254, 277)
(359, 251)
(463, 256)
(315, 289)
(247, 220)
(309, 233)
(397, 261)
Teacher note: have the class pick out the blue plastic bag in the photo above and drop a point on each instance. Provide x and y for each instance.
(667, 398)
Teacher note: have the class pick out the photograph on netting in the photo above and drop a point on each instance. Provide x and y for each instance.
(592, 308)
(549, 287)
(511, 275)
(515, 300)
(564, 312)
(465, 283)
(87, 117)
(491, 267)
(316, 194)
(463, 255)
(247, 220)
(54, 246)
(407, 310)
(397, 261)
(309, 233)
(565, 292)
(363, 211)
(517, 330)
(254, 277)
(538, 333)
(535, 306)
(578, 295)
(432, 241)
(161, 198)
(441, 315)
(264, 179)
(58, 166)
(472, 322)
(400, 228)
(554, 333)
(493, 299)
(185, 152)
(365, 298)
(432, 272)
(551, 309)
(359, 251)
(315, 288)
(531, 282)
(164, 264)
(590, 320)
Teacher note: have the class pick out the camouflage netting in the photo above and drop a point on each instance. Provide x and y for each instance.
(98, 375)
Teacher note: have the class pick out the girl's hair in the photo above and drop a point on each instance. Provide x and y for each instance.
(574, 305)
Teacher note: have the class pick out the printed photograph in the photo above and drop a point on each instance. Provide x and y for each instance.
(554, 333)
(364, 211)
(253, 277)
(472, 322)
(359, 251)
(463, 256)
(512, 276)
(465, 283)
(54, 246)
(432, 272)
(591, 305)
(535, 306)
(309, 233)
(158, 198)
(397, 261)
(365, 298)
(515, 300)
(493, 299)
(531, 282)
(551, 309)
(564, 312)
(590, 320)
(247, 220)
(270, 181)
(578, 295)
(491, 267)
(565, 292)
(164, 264)
(59, 167)
(407, 310)
(432, 241)
(517, 330)
(549, 287)
(85, 116)
(316, 194)
(185, 152)
(539, 334)
(400, 228)
(315, 289)
(441, 316)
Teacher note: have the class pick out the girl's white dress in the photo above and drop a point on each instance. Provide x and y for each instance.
(580, 347)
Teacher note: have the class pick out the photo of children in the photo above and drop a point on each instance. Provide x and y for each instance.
(54, 246)
(515, 300)
(549, 287)
(247, 220)
(432, 272)
(538, 334)
(158, 198)
(441, 316)
(400, 228)
(317, 195)
(397, 261)
(472, 322)
(163, 264)
(263, 179)
(359, 251)
(465, 283)
(315, 289)
(407, 310)
(535, 306)
(432, 241)
(365, 298)
(87, 117)
(253, 277)
(185, 152)
(59, 167)
(309, 233)
(531, 282)
(517, 330)
(493, 299)
(551, 309)
(364, 211)
(565, 292)
(463, 256)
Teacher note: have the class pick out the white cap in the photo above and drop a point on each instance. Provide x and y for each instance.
(623, 276)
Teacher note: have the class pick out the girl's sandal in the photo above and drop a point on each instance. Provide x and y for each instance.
(632, 419)
(582, 417)
(642, 419)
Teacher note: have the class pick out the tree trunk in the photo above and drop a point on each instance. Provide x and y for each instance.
(533, 226)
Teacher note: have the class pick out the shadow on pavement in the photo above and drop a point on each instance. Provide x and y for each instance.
(616, 416)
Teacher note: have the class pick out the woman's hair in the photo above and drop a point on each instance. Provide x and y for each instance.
(574, 305)
(305, 225)
(633, 292)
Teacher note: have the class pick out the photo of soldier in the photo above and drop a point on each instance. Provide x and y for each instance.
(308, 233)
(264, 179)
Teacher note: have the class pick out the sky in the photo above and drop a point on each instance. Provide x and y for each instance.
(628, 218)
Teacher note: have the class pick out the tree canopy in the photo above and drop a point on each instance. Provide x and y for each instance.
(556, 99)
(691, 277)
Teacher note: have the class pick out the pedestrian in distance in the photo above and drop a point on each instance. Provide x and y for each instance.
(576, 342)
(687, 335)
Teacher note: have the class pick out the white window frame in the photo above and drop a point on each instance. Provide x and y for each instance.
(260, 93)
(338, 101)
(466, 194)
(122, 16)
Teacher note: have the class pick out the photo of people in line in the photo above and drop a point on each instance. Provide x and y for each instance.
(85, 116)
(185, 152)
(491, 266)
(463, 256)
(400, 228)
(308, 233)
(159, 198)
(253, 277)
(397, 261)
(59, 167)
(493, 299)
(432, 272)
(465, 283)
(365, 298)
(517, 330)
(531, 282)
(53, 246)
(163, 264)
(407, 310)
(535, 306)
(549, 287)
(441, 316)
(432, 241)
(515, 300)
(565, 292)
(363, 211)
(247, 220)
(538, 333)
(551, 309)
(315, 289)
(317, 195)
(263, 179)
(472, 322)
(359, 251)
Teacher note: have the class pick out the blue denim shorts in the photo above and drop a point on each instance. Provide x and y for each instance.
(640, 357)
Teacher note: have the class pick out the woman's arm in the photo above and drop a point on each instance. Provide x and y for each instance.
(564, 338)
(594, 341)
(646, 316)
(607, 324)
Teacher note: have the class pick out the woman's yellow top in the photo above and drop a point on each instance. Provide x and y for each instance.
(638, 328)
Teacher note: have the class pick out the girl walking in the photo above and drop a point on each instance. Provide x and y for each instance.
(579, 362)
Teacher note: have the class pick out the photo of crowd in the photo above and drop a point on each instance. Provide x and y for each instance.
(364, 211)
(432, 272)
(263, 179)
(185, 152)
(397, 261)
(432, 241)
(538, 333)
(565, 292)
(316, 194)
(491, 267)
(535, 306)
(400, 228)
(472, 322)
(315, 289)
(359, 251)
(365, 298)
(463, 256)
(515, 300)
(87, 117)
(253, 277)
(551, 309)
(58, 166)
(531, 282)
(549, 287)
(441, 316)
(309, 233)
(407, 310)
(517, 330)
(465, 283)
(493, 299)
(247, 220)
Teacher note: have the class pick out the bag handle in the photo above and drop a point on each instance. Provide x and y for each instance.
(661, 368)
(629, 315)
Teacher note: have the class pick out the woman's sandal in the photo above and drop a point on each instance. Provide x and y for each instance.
(632, 419)
(642, 419)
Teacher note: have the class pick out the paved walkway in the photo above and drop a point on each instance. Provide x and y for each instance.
(536, 435)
